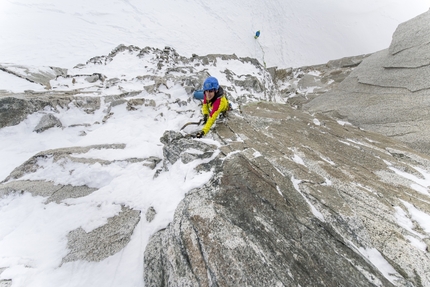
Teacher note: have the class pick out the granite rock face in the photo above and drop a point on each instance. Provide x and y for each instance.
(389, 92)
(295, 200)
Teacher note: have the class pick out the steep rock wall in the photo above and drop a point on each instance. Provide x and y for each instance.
(295, 200)
(389, 92)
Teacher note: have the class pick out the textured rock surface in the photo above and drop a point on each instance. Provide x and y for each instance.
(298, 86)
(246, 233)
(389, 92)
(272, 218)
(177, 147)
(104, 241)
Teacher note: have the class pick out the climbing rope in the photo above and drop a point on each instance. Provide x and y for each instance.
(257, 34)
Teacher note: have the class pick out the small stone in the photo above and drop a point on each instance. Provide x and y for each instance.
(150, 214)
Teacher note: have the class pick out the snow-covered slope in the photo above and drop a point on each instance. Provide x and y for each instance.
(293, 33)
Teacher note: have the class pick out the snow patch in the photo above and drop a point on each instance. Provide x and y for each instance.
(421, 184)
(376, 258)
(315, 211)
(422, 218)
(298, 159)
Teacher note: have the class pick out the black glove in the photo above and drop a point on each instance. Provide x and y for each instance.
(205, 118)
(199, 134)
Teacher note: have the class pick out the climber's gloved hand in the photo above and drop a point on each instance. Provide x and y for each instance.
(205, 118)
(199, 134)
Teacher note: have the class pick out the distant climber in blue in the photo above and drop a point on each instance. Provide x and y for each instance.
(214, 103)
(257, 34)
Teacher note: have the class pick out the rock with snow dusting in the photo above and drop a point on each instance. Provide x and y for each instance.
(297, 200)
(94, 245)
(176, 147)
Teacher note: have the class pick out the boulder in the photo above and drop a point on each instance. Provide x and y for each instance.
(176, 147)
(31, 165)
(103, 241)
(46, 122)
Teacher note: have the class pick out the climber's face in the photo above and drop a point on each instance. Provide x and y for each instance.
(210, 94)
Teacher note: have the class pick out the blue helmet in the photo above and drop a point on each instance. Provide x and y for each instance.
(210, 84)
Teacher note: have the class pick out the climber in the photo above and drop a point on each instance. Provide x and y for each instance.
(257, 34)
(214, 103)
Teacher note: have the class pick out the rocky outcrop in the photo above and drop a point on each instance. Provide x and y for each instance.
(14, 110)
(296, 200)
(46, 122)
(103, 241)
(300, 85)
(53, 192)
(31, 165)
(37, 75)
(389, 92)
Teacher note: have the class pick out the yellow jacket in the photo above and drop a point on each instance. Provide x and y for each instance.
(213, 108)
